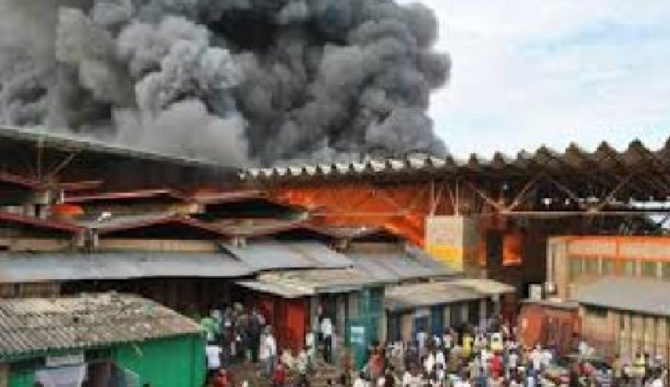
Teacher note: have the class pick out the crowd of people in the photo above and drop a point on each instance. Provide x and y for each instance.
(493, 356)
(238, 335)
(485, 356)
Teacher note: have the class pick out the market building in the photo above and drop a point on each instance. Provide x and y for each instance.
(626, 316)
(100, 339)
(431, 307)
(577, 260)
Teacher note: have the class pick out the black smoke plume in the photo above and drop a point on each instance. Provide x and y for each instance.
(240, 81)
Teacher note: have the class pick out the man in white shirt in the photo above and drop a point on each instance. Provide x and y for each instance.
(429, 363)
(536, 358)
(270, 347)
(213, 353)
(327, 332)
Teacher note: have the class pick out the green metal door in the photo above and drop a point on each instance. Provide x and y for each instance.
(358, 341)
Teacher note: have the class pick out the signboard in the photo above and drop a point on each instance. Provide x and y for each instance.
(59, 361)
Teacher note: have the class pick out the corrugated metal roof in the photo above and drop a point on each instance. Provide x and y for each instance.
(400, 266)
(32, 326)
(299, 283)
(267, 227)
(277, 288)
(271, 255)
(52, 139)
(604, 158)
(428, 294)
(485, 286)
(45, 224)
(152, 220)
(120, 220)
(646, 296)
(16, 268)
(129, 195)
(22, 181)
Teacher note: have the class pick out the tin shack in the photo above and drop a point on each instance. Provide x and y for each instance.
(103, 339)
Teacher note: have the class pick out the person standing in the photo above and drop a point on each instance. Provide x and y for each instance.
(279, 376)
(327, 333)
(213, 353)
(271, 350)
(421, 338)
(302, 366)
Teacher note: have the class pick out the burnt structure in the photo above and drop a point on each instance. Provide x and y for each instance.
(486, 214)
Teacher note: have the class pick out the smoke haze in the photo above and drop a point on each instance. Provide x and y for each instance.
(237, 81)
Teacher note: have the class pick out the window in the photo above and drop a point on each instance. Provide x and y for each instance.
(591, 266)
(575, 268)
(607, 266)
(628, 267)
(649, 269)
(665, 270)
(596, 311)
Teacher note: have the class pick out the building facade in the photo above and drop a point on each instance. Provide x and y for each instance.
(576, 260)
(626, 317)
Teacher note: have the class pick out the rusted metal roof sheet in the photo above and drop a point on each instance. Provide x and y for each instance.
(169, 194)
(275, 255)
(253, 228)
(636, 157)
(38, 267)
(105, 228)
(37, 223)
(32, 327)
(300, 283)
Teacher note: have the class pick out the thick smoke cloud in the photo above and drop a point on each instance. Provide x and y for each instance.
(239, 81)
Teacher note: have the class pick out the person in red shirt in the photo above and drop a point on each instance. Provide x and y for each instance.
(221, 379)
(279, 376)
(496, 366)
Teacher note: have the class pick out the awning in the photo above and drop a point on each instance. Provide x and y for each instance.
(485, 286)
(277, 289)
(300, 283)
(17, 268)
(401, 266)
(428, 294)
(271, 255)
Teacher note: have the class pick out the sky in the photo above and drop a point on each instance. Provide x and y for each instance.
(528, 73)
